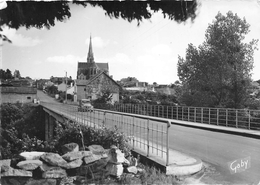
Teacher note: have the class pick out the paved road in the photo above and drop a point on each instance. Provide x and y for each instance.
(219, 149)
(216, 148)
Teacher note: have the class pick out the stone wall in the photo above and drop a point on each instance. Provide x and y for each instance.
(72, 167)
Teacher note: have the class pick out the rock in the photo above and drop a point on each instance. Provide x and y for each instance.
(54, 159)
(68, 180)
(6, 162)
(70, 156)
(131, 169)
(5, 165)
(16, 172)
(42, 182)
(91, 159)
(140, 170)
(5, 168)
(14, 180)
(115, 156)
(115, 169)
(97, 166)
(74, 164)
(29, 164)
(126, 163)
(44, 167)
(70, 147)
(96, 149)
(31, 155)
(133, 161)
(54, 173)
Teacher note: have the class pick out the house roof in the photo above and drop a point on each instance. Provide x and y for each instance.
(101, 66)
(18, 90)
(86, 82)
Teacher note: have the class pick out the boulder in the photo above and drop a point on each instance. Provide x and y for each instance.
(131, 169)
(115, 156)
(29, 164)
(115, 169)
(6, 162)
(96, 149)
(95, 167)
(5, 165)
(70, 147)
(14, 180)
(70, 156)
(16, 172)
(5, 168)
(53, 159)
(74, 164)
(91, 158)
(41, 182)
(54, 173)
(31, 155)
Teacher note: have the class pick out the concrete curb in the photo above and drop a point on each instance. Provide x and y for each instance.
(187, 169)
(179, 163)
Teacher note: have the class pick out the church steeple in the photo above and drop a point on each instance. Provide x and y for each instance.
(90, 57)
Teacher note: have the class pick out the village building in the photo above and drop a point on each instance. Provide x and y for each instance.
(93, 79)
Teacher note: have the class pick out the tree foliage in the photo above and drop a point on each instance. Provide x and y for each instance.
(4, 75)
(44, 14)
(218, 72)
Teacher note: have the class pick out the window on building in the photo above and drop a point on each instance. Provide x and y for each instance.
(28, 97)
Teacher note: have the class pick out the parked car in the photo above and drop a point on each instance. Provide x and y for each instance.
(85, 105)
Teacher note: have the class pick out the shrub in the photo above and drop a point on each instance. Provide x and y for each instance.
(72, 132)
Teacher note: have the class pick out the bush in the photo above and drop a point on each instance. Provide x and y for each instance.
(85, 136)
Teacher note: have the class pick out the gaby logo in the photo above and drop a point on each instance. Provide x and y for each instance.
(239, 165)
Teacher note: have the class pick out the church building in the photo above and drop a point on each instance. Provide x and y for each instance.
(93, 79)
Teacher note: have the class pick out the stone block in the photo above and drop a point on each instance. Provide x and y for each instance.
(29, 164)
(41, 182)
(70, 156)
(54, 173)
(96, 149)
(73, 164)
(115, 169)
(70, 147)
(54, 159)
(131, 169)
(91, 159)
(33, 155)
(16, 172)
(115, 156)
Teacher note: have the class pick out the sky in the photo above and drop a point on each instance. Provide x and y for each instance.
(148, 52)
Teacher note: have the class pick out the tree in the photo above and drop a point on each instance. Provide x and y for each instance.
(218, 72)
(17, 74)
(44, 14)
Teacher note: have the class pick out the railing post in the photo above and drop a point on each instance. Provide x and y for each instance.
(209, 115)
(236, 120)
(104, 119)
(226, 117)
(195, 112)
(133, 132)
(188, 113)
(177, 112)
(249, 120)
(201, 115)
(217, 115)
(148, 138)
(167, 144)
(182, 114)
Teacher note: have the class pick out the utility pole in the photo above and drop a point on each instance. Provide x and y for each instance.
(66, 88)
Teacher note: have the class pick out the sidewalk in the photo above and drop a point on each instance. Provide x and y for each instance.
(223, 129)
(179, 163)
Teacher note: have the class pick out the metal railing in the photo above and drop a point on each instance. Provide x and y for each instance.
(237, 118)
(149, 135)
